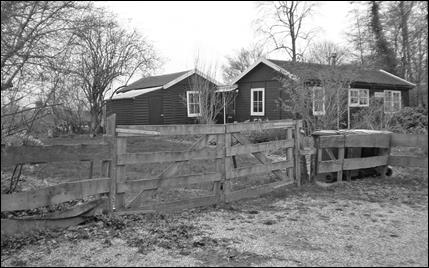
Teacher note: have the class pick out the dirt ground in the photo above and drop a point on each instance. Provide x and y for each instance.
(368, 222)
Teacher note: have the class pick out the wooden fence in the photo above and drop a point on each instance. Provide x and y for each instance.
(108, 192)
(218, 143)
(60, 193)
(336, 147)
(224, 136)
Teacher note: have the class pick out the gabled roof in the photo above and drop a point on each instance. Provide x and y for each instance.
(152, 83)
(315, 71)
(133, 93)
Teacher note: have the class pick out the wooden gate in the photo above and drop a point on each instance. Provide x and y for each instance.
(219, 143)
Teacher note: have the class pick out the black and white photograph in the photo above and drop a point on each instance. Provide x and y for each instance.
(214, 134)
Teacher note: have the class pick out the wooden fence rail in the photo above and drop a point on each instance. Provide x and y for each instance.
(11, 155)
(417, 141)
(384, 141)
(217, 143)
(60, 193)
(222, 153)
(228, 143)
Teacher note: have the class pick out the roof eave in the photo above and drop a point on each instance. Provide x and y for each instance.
(188, 74)
(269, 64)
(397, 77)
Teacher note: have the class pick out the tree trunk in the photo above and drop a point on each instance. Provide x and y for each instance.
(406, 63)
(95, 122)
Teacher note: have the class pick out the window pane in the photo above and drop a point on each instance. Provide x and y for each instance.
(396, 96)
(255, 95)
(363, 97)
(396, 106)
(363, 93)
(388, 96)
(318, 93)
(318, 106)
(387, 106)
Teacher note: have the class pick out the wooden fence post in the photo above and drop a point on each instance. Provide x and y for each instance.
(385, 152)
(91, 169)
(111, 139)
(227, 185)
(297, 154)
(220, 168)
(341, 159)
(119, 174)
(289, 151)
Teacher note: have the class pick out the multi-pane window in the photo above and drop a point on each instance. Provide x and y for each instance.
(358, 97)
(257, 100)
(392, 101)
(318, 101)
(193, 103)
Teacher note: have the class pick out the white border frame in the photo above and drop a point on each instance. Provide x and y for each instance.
(324, 111)
(252, 113)
(187, 103)
(384, 101)
(359, 97)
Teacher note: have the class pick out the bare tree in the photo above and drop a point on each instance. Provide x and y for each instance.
(104, 53)
(282, 23)
(211, 101)
(33, 35)
(238, 63)
(360, 38)
(322, 52)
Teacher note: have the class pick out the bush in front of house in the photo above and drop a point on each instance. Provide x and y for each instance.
(409, 120)
(413, 120)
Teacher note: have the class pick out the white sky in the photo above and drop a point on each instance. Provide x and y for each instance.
(180, 31)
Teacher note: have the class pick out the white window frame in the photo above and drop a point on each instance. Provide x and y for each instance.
(392, 92)
(318, 113)
(359, 97)
(252, 113)
(188, 104)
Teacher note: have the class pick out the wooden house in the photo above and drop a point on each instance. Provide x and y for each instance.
(157, 100)
(260, 86)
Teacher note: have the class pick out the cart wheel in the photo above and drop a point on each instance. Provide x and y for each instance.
(389, 171)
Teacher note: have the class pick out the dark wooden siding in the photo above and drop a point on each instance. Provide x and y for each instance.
(261, 76)
(124, 110)
(175, 111)
(141, 107)
(137, 111)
